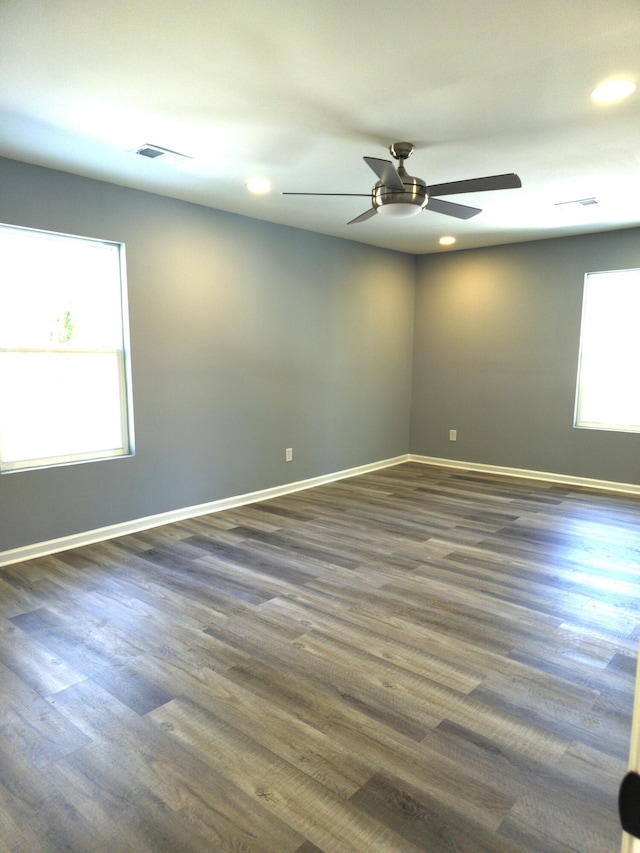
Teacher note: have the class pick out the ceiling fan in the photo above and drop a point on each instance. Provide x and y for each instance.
(400, 195)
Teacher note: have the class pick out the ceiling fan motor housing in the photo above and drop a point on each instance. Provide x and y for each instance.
(392, 202)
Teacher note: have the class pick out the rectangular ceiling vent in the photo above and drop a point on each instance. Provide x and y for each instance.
(150, 151)
(583, 202)
(156, 152)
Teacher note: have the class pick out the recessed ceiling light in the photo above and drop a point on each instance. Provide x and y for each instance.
(447, 241)
(613, 90)
(259, 186)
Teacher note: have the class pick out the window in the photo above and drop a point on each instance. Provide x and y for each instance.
(64, 366)
(608, 394)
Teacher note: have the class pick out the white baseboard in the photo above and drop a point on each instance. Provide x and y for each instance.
(53, 546)
(561, 479)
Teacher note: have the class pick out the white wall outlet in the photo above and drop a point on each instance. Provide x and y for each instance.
(453, 435)
(288, 454)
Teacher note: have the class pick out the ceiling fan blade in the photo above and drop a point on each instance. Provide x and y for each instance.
(360, 195)
(363, 216)
(450, 208)
(386, 171)
(477, 185)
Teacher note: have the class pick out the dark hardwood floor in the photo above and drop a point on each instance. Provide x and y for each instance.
(416, 659)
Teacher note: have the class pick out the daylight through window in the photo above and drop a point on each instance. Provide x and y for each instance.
(608, 394)
(64, 366)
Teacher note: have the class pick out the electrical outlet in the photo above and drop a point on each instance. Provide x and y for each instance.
(453, 435)
(288, 454)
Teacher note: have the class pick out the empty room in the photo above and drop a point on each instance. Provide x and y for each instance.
(319, 426)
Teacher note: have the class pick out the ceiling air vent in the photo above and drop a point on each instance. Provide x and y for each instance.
(155, 152)
(150, 151)
(583, 202)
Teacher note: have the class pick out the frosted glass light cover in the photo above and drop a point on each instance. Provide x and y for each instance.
(400, 210)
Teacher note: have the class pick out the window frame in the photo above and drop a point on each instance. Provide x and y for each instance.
(126, 448)
(579, 421)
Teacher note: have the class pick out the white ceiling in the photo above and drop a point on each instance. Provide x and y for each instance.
(299, 90)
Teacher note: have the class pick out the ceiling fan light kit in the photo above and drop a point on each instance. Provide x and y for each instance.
(399, 195)
(399, 209)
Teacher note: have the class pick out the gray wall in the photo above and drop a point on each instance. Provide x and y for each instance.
(496, 356)
(247, 338)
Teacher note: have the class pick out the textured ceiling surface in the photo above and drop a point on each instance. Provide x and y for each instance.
(299, 92)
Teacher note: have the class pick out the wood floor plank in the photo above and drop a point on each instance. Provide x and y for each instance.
(38, 811)
(196, 792)
(415, 659)
(324, 707)
(36, 666)
(377, 643)
(31, 725)
(298, 800)
(425, 821)
(339, 768)
(124, 812)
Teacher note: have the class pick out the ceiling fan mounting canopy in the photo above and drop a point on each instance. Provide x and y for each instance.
(401, 150)
(400, 195)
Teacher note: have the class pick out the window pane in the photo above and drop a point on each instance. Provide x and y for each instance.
(62, 292)
(60, 405)
(608, 394)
